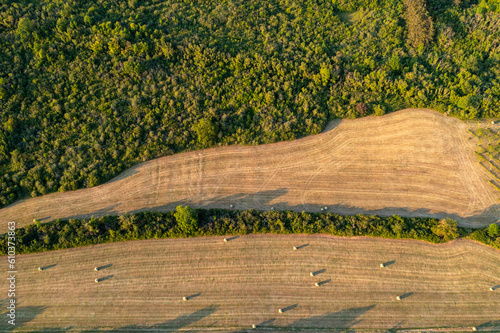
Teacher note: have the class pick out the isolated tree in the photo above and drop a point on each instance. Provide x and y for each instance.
(187, 219)
(493, 230)
(418, 22)
(446, 229)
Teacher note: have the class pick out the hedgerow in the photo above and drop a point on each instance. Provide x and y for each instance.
(62, 234)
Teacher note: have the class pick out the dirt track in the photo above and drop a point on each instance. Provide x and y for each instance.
(412, 162)
(246, 281)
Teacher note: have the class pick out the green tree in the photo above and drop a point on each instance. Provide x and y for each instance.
(447, 229)
(394, 63)
(187, 219)
(206, 133)
(24, 28)
(493, 230)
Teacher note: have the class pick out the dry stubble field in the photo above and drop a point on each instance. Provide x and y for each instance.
(413, 162)
(246, 280)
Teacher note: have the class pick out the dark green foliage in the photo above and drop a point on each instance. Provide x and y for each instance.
(483, 236)
(189, 222)
(90, 88)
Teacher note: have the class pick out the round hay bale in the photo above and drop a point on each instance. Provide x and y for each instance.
(231, 206)
(316, 284)
(474, 328)
(295, 248)
(254, 326)
(326, 208)
(382, 265)
(492, 289)
(398, 298)
(225, 240)
(96, 280)
(280, 310)
(493, 122)
(311, 274)
(184, 298)
(96, 269)
(40, 268)
(272, 208)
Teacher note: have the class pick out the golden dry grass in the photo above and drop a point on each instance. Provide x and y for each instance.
(245, 281)
(413, 162)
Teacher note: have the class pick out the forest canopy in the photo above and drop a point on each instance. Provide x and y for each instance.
(89, 88)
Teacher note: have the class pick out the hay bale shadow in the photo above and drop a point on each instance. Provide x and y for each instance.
(389, 263)
(319, 272)
(193, 296)
(406, 295)
(103, 267)
(288, 308)
(324, 282)
(47, 267)
(495, 287)
(105, 278)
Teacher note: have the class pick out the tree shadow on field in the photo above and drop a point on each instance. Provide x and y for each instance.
(266, 200)
(23, 315)
(341, 321)
(258, 200)
(395, 328)
(491, 326)
(128, 172)
(262, 201)
(168, 326)
(332, 125)
(482, 219)
(96, 214)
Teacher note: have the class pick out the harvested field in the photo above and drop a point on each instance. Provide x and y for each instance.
(412, 163)
(245, 281)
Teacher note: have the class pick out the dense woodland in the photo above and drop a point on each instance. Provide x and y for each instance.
(89, 88)
(187, 222)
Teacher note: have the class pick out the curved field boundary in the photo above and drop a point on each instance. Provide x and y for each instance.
(233, 285)
(413, 163)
